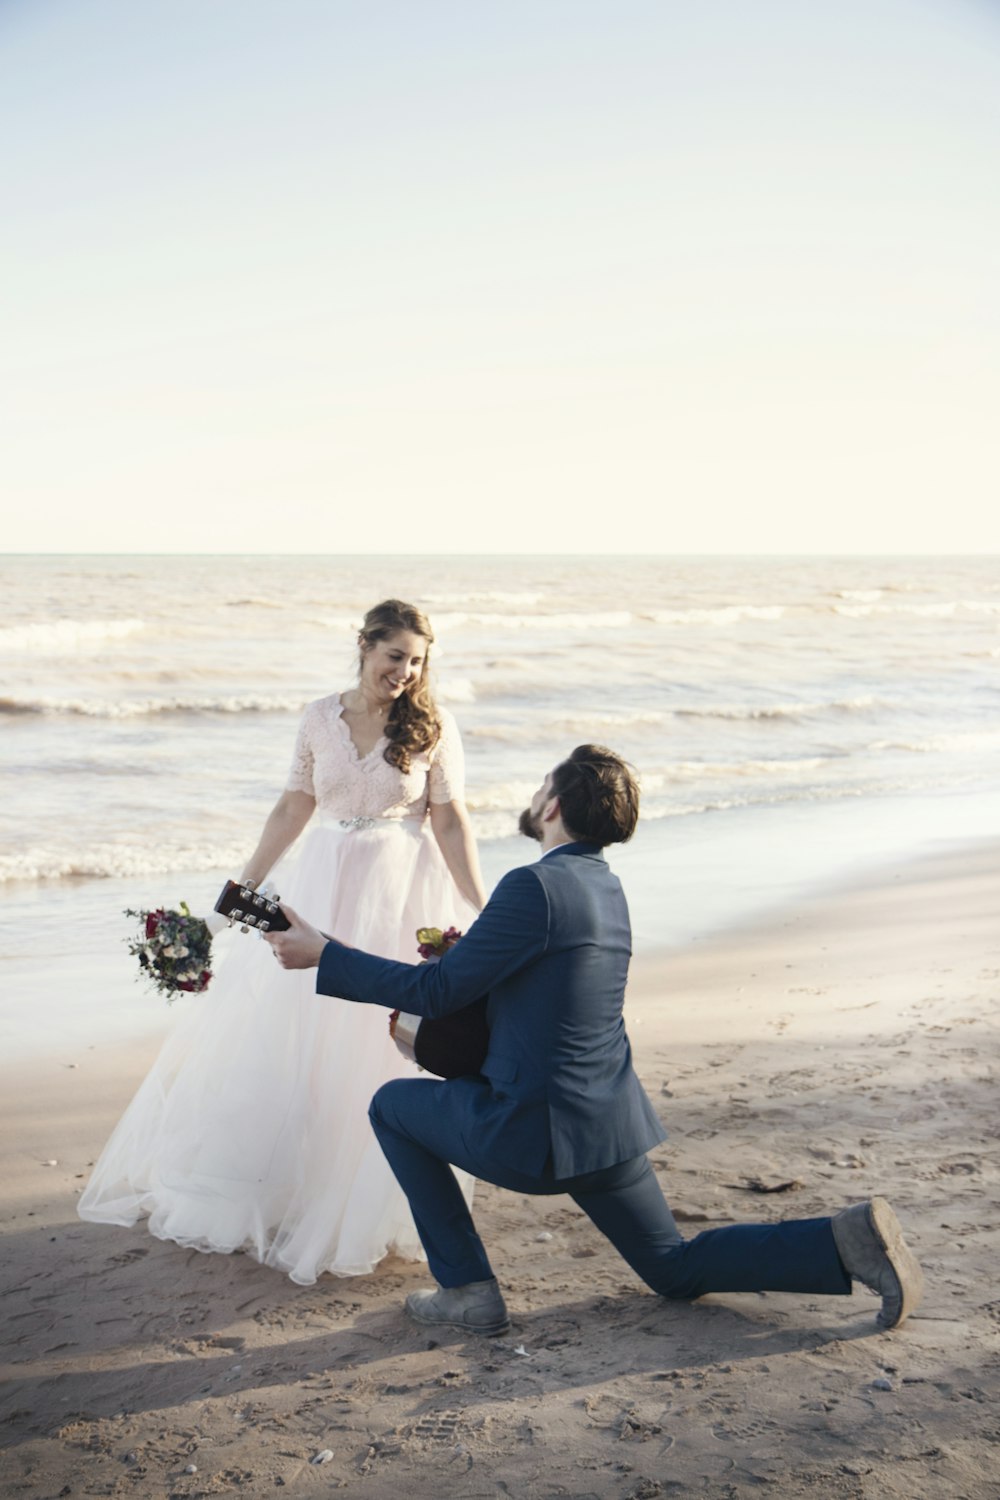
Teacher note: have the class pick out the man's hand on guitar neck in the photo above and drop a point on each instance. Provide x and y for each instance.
(301, 947)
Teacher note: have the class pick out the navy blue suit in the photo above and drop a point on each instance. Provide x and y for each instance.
(558, 1107)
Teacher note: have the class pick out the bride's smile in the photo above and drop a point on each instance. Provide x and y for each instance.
(391, 667)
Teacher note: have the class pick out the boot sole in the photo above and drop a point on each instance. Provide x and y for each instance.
(889, 1233)
(488, 1330)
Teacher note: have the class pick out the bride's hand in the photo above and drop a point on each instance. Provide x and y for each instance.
(301, 947)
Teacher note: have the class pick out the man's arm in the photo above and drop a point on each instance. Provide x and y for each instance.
(512, 931)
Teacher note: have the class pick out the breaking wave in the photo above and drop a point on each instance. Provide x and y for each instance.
(862, 704)
(109, 861)
(66, 635)
(137, 708)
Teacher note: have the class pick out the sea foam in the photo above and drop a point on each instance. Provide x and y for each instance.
(66, 635)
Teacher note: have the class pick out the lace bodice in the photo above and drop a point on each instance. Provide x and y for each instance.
(326, 764)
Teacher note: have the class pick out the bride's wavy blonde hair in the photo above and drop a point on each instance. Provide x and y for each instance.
(412, 724)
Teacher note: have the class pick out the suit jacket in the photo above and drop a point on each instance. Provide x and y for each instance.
(551, 948)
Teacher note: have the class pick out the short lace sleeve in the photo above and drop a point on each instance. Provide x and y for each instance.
(447, 777)
(300, 775)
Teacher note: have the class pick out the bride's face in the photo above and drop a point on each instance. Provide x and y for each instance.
(393, 666)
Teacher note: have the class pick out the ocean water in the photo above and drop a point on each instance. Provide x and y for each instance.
(790, 719)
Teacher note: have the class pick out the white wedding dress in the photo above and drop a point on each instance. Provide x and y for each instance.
(251, 1130)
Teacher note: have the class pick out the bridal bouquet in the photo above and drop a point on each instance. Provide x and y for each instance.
(173, 950)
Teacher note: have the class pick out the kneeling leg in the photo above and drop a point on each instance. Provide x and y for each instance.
(627, 1204)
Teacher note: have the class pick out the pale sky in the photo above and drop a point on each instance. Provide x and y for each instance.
(500, 275)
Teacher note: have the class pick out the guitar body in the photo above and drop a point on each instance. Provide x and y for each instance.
(451, 1046)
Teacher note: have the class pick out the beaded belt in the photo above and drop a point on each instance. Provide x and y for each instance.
(411, 822)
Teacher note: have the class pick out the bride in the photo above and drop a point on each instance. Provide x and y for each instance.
(251, 1130)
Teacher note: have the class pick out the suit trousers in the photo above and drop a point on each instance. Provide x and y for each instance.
(424, 1125)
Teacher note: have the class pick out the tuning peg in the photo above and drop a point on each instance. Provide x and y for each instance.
(263, 926)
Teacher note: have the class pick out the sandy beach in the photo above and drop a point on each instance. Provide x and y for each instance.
(843, 1047)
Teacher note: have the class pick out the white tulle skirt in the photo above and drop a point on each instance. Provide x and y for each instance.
(251, 1130)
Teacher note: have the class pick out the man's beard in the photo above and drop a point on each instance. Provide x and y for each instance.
(529, 826)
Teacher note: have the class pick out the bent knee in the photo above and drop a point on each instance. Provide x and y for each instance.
(381, 1098)
(386, 1100)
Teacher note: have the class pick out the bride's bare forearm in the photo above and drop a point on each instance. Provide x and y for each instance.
(457, 843)
(285, 822)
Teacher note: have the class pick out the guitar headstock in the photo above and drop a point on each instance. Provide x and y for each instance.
(248, 907)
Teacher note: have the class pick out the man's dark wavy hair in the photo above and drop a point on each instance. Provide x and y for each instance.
(598, 795)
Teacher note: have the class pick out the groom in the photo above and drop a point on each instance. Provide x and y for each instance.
(557, 1107)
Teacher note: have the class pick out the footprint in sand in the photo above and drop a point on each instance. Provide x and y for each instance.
(746, 1432)
(438, 1426)
(127, 1256)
